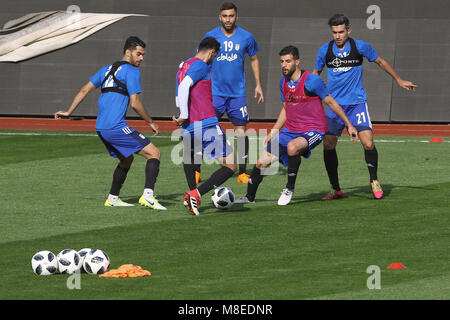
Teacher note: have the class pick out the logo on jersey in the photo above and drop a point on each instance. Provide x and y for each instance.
(294, 98)
(237, 46)
(340, 65)
(226, 57)
(337, 63)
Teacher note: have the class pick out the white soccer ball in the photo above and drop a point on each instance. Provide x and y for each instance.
(96, 262)
(69, 261)
(83, 252)
(44, 263)
(223, 198)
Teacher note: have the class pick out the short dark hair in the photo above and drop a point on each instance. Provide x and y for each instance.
(339, 19)
(290, 50)
(228, 6)
(209, 43)
(132, 42)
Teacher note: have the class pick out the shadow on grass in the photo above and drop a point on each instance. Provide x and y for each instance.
(177, 199)
(363, 192)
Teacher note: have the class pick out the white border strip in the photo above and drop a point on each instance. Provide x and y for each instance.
(168, 137)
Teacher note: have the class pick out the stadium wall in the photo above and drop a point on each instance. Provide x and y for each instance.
(414, 37)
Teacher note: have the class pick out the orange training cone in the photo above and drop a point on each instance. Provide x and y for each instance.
(397, 265)
(436, 139)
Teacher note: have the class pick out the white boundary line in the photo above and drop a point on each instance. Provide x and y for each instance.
(168, 137)
(46, 134)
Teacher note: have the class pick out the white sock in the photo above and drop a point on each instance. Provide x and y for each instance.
(148, 193)
(112, 198)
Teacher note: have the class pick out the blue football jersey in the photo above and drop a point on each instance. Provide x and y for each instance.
(227, 75)
(345, 83)
(112, 106)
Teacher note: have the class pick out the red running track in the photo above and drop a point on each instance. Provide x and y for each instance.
(168, 126)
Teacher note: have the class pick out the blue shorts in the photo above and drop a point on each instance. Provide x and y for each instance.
(211, 141)
(235, 107)
(358, 114)
(125, 141)
(313, 137)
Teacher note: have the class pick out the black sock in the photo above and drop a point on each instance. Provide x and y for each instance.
(191, 163)
(371, 157)
(292, 170)
(253, 183)
(217, 178)
(331, 164)
(196, 161)
(189, 172)
(119, 176)
(242, 154)
(151, 173)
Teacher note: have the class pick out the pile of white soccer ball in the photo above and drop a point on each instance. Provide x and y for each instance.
(96, 261)
(70, 261)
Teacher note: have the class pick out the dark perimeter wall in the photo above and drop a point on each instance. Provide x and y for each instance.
(414, 37)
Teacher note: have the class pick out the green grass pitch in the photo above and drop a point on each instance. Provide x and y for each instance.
(53, 186)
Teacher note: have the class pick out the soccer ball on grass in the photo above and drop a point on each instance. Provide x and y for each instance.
(222, 198)
(83, 252)
(69, 261)
(96, 262)
(44, 263)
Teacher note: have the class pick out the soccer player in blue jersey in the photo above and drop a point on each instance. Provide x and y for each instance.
(120, 86)
(228, 78)
(343, 57)
(199, 125)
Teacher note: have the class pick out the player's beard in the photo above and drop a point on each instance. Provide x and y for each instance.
(133, 62)
(229, 29)
(289, 73)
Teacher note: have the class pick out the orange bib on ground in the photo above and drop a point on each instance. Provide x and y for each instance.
(126, 271)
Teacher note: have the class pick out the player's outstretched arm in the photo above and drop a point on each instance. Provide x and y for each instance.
(138, 106)
(277, 126)
(386, 66)
(85, 90)
(337, 109)
(254, 62)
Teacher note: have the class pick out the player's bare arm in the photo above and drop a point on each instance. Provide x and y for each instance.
(138, 106)
(353, 133)
(254, 62)
(277, 126)
(386, 66)
(85, 90)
